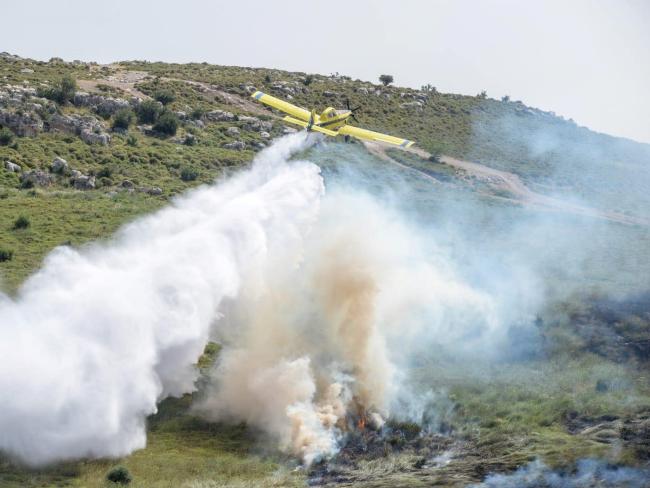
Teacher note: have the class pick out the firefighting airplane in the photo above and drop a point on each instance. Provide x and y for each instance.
(331, 121)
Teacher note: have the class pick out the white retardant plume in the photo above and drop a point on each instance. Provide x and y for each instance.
(98, 336)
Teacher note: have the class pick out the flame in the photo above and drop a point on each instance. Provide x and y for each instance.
(361, 424)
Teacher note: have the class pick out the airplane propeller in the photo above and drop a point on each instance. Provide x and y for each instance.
(352, 110)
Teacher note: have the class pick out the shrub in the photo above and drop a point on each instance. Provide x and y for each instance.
(119, 475)
(148, 112)
(62, 92)
(197, 113)
(6, 255)
(386, 79)
(308, 80)
(167, 124)
(482, 95)
(164, 96)
(267, 78)
(122, 119)
(189, 174)
(505, 98)
(6, 137)
(132, 140)
(21, 222)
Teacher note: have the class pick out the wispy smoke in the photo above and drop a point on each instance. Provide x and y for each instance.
(98, 336)
(588, 473)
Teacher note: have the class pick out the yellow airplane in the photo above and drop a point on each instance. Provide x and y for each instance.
(331, 121)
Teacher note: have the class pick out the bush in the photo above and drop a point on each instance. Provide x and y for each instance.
(148, 112)
(6, 255)
(21, 222)
(122, 119)
(308, 80)
(164, 96)
(167, 124)
(267, 78)
(482, 95)
(189, 174)
(119, 475)
(132, 140)
(62, 92)
(197, 113)
(386, 79)
(6, 137)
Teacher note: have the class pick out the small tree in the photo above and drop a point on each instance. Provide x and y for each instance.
(386, 79)
(62, 93)
(68, 87)
(189, 174)
(148, 112)
(164, 96)
(308, 80)
(119, 475)
(505, 98)
(6, 137)
(6, 255)
(482, 95)
(122, 119)
(21, 222)
(166, 124)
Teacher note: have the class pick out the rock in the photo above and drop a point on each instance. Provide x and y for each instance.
(235, 145)
(417, 105)
(255, 124)
(258, 145)
(13, 167)
(233, 131)
(127, 184)
(329, 94)
(91, 137)
(88, 128)
(99, 103)
(219, 116)
(155, 191)
(26, 124)
(84, 182)
(362, 90)
(36, 178)
(59, 165)
(26, 70)
(288, 130)
(180, 114)
(75, 173)
(265, 135)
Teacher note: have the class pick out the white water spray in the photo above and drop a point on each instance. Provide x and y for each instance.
(98, 336)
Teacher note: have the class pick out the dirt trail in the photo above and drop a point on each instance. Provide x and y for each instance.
(509, 182)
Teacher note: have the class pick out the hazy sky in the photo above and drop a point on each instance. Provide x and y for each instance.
(584, 59)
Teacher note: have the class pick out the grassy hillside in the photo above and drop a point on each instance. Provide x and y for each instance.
(121, 161)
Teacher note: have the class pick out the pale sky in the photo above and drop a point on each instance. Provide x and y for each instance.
(584, 59)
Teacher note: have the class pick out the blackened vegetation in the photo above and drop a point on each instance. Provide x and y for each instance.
(618, 330)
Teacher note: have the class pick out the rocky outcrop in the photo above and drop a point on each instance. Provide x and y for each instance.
(59, 165)
(83, 182)
(219, 116)
(88, 128)
(255, 124)
(36, 178)
(232, 131)
(12, 167)
(24, 124)
(99, 103)
(235, 145)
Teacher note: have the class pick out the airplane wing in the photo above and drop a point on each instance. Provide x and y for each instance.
(285, 107)
(304, 124)
(368, 135)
